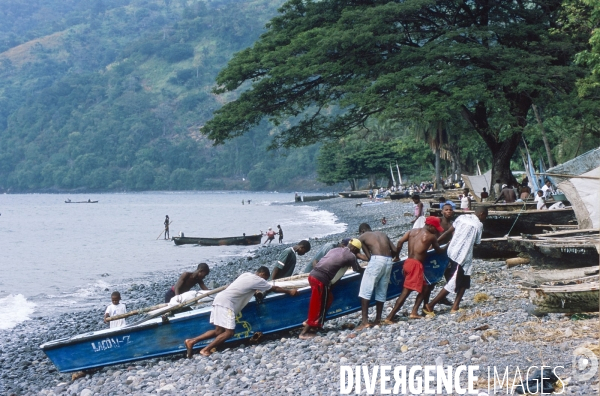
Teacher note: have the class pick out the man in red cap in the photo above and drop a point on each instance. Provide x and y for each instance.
(419, 241)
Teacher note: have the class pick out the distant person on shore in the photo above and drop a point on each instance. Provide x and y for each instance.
(419, 242)
(484, 195)
(114, 309)
(229, 303)
(187, 280)
(525, 192)
(286, 263)
(508, 194)
(540, 200)
(167, 223)
(443, 201)
(465, 200)
(242, 202)
(418, 212)
(280, 232)
(548, 190)
(467, 232)
(249, 201)
(270, 236)
(379, 250)
(322, 252)
(497, 188)
(326, 273)
(383, 221)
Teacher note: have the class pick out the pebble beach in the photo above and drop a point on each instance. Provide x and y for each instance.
(493, 329)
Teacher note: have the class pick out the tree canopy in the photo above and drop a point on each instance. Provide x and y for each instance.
(329, 66)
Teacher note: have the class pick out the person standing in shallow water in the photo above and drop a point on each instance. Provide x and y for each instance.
(167, 222)
(280, 232)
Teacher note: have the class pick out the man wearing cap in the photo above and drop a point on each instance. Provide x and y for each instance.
(322, 252)
(419, 240)
(467, 232)
(326, 272)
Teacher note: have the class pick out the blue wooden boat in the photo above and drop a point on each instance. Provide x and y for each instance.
(158, 338)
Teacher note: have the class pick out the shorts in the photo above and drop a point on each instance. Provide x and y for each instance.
(414, 278)
(169, 295)
(376, 278)
(459, 280)
(222, 317)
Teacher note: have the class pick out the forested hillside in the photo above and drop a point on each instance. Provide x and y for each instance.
(110, 95)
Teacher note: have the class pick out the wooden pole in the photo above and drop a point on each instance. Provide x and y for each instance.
(214, 291)
(135, 312)
(571, 176)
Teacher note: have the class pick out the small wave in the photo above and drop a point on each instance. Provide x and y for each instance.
(14, 309)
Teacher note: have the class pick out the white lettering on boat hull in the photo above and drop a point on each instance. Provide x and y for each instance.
(109, 343)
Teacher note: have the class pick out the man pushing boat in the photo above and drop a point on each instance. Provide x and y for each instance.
(379, 250)
(187, 280)
(419, 241)
(229, 303)
(326, 272)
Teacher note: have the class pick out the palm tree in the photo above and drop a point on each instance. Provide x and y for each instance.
(435, 133)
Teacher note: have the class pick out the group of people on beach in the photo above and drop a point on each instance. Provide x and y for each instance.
(334, 259)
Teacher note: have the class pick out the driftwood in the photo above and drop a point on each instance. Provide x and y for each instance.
(513, 262)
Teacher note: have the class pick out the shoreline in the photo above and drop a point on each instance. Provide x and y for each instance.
(285, 364)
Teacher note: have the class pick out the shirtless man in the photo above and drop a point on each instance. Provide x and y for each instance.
(508, 194)
(379, 250)
(445, 222)
(419, 240)
(187, 280)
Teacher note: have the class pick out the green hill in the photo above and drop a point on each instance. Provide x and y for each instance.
(110, 95)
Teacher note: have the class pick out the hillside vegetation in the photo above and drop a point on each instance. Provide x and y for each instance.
(110, 95)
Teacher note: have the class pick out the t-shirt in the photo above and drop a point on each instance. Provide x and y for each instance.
(320, 254)
(286, 263)
(239, 293)
(114, 310)
(335, 260)
(464, 202)
(467, 232)
(547, 191)
(271, 234)
(497, 189)
(541, 203)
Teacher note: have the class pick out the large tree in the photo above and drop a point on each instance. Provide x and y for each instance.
(331, 65)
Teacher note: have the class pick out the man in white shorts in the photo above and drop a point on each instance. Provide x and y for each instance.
(379, 250)
(229, 303)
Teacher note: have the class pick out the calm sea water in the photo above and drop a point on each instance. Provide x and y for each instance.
(56, 256)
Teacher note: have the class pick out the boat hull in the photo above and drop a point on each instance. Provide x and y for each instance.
(241, 240)
(313, 198)
(157, 338)
(354, 194)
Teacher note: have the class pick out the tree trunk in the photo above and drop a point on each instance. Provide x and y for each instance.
(544, 137)
(501, 150)
(438, 171)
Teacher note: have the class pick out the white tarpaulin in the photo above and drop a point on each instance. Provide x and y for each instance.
(581, 192)
(477, 183)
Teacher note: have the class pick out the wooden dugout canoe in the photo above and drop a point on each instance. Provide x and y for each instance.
(245, 240)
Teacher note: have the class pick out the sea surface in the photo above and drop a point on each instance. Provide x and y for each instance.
(59, 257)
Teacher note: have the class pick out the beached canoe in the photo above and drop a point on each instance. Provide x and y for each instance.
(575, 296)
(354, 194)
(498, 224)
(158, 337)
(244, 240)
(313, 198)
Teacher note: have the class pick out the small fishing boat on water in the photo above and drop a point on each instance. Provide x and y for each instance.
(160, 337)
(244, 240)
(88, 201)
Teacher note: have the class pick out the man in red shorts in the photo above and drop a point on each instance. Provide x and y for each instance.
(325, 273)
(419, 241)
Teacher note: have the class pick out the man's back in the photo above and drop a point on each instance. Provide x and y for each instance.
(509, 194)
(419, 241)
(377, 243)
